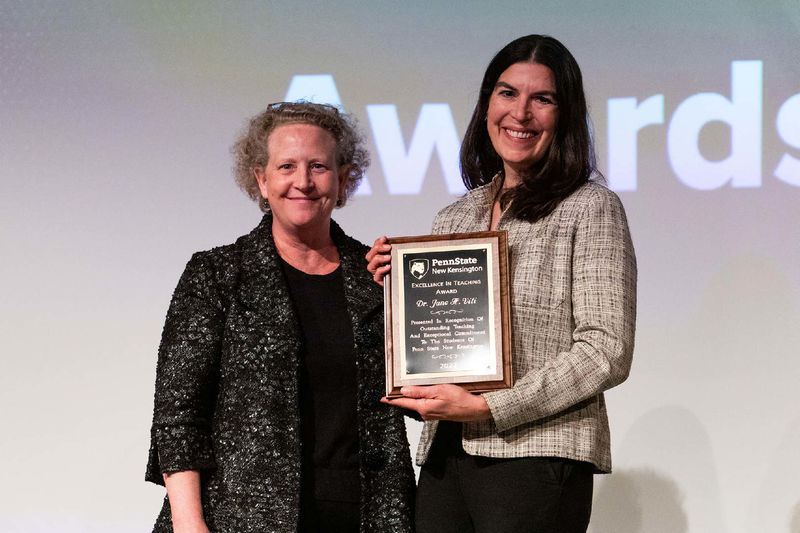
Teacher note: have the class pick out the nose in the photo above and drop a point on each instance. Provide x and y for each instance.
(521, 110)
(303, 180)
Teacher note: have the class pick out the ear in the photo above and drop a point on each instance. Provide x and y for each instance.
(261, 178)
(344, 179)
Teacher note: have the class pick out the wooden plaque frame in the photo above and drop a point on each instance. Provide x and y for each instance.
(408, 342)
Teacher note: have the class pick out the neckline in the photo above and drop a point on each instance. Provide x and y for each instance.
(292, 270)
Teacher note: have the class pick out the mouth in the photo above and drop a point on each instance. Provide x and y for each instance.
(521, 134)
(301, 198)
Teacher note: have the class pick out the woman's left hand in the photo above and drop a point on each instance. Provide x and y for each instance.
(379, 259)
(442, 402)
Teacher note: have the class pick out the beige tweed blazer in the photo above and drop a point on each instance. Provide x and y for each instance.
(573, 310)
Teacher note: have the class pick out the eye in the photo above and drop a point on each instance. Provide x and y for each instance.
(318, 166)
(285, 166)
(544, 100)
(505, 93)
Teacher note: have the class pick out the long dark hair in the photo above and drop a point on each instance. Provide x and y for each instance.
(569, 162)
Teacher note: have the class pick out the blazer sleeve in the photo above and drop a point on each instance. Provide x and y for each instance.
(604, 322)
(187, 375)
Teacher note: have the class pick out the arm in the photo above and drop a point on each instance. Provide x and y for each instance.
(442, 402)
(187, 375)
(183, 490)
(603, 312)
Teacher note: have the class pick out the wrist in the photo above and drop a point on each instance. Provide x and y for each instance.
(481, 409)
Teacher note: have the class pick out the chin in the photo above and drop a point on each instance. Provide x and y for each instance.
(308, 221)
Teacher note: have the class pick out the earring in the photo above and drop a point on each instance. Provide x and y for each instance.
(339, 203)
(263, 203)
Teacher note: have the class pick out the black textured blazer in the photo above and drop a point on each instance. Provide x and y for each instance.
(226, 398)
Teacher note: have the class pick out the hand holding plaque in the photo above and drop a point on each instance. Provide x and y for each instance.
(447, 312)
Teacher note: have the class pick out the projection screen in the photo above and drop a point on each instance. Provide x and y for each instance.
(116, 121)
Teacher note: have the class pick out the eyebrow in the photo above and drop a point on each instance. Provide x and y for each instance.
(507, 86)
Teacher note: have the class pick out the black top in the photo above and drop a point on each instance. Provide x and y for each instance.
(328, 388)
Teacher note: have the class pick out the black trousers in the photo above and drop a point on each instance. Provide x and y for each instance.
(462, 493)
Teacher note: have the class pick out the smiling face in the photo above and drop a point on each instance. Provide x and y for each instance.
(302, 180)
(522, 117)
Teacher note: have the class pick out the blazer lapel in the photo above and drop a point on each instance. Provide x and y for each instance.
(475, 216)
(361, 291)
(262, 289)
(264, 295)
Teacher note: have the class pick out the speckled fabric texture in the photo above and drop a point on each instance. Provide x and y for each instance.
(226, 398)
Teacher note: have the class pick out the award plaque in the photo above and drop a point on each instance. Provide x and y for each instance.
(447, 312)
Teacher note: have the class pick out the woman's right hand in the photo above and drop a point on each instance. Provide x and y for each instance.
(378, 259)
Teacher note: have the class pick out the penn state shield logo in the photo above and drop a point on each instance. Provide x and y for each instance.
(418, 268)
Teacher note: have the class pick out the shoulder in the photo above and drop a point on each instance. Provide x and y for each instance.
(217, 256)
(346, 243)
(470, 201)
(590, 200)
(220, 265)
(595, 213)
(217, 259)
(473, 204)
(592, 193)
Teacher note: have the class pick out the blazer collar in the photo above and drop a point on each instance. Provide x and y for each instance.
(475, 210)
(486, 194)
(263, 286)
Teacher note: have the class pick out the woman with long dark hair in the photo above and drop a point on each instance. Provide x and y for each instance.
(523, 459)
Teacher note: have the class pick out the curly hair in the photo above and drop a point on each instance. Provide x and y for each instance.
(570, 160)
(250, 151)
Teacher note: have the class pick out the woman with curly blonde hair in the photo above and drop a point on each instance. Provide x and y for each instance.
(270, 371)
